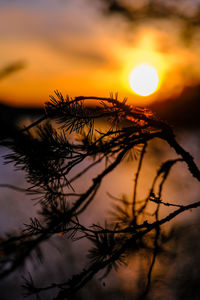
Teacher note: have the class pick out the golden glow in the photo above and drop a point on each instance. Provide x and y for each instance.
(66, 60)
(144, 80)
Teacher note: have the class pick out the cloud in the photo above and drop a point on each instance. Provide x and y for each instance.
(72, 29)
(75, 46)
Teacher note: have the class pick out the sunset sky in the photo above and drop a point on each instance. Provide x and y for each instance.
(79, 48)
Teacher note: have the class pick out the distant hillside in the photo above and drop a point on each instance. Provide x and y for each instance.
(10, 117)
(182, 111)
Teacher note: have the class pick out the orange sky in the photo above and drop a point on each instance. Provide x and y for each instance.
(71, 46)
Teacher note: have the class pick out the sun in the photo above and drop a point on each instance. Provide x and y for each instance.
(144, 79)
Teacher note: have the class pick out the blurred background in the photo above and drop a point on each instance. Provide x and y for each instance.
(89, 48)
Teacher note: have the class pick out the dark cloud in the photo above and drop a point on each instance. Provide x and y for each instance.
(12, 68)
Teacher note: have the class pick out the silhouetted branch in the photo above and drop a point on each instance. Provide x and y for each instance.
(13, 187)
(136, 178)
(49, 155)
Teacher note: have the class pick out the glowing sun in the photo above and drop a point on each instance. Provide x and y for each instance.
(144, 80)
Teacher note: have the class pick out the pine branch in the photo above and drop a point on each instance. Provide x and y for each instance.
(49, 153)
